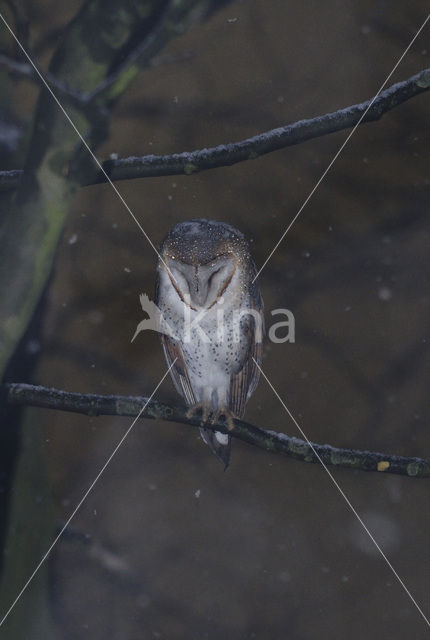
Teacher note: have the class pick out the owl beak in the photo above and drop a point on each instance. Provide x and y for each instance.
(198, 288)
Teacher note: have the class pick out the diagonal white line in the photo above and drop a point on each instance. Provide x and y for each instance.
(344, 496)
(342, 147)
(84, 497)
(84, 142)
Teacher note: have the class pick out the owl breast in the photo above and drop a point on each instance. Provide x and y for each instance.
(213, 349)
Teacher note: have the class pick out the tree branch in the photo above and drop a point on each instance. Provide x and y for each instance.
(174, 20)
(251, 148)
(113, 405)
(225, 155)
(25, 70)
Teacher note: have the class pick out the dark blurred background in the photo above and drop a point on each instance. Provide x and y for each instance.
(168, 545)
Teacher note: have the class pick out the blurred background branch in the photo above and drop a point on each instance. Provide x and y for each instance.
(19, 69)
(116, 405)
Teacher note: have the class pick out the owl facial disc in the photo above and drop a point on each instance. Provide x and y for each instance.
(201, 285)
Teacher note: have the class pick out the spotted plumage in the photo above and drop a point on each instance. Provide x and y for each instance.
(206, 296)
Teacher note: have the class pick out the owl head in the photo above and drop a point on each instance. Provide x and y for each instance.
(202, 258)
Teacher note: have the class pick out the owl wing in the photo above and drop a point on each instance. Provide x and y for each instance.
(173, 353)
(244, 382)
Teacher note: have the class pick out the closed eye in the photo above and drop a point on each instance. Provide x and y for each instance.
(212, 277)
(179, 282)
(220, 280)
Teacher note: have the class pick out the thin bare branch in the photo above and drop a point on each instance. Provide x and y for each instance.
(25, 70)
(114, 405)
(228, 154)
(187, 163)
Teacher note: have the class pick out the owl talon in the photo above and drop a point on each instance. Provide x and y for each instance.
(227, 415)
(193, 411)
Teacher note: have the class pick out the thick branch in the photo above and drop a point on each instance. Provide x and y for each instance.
(95, 405)
(224, 155)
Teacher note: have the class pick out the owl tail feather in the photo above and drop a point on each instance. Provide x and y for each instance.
(220, 444)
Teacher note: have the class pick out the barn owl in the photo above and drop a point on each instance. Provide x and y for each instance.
(205, 293)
